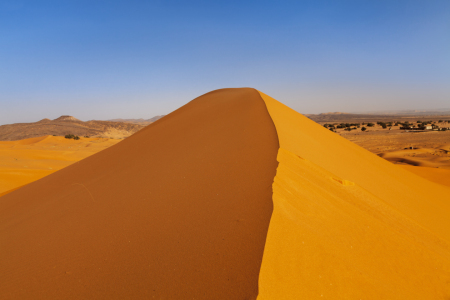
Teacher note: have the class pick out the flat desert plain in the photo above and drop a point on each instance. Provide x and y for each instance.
(24, 161)
(425, 153)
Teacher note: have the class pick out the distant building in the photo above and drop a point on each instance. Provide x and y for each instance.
(428, 127)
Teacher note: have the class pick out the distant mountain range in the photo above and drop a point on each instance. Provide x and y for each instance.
(380, 116)
(440, 111)
(138, 121)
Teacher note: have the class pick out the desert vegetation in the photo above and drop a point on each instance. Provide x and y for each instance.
(419, 125)
(71, 136)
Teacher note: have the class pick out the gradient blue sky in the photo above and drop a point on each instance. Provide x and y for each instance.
(97, 59)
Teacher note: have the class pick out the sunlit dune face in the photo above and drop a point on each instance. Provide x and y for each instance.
(348, 224)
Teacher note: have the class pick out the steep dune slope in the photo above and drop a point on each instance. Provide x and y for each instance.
(349, 225)
(180, 210)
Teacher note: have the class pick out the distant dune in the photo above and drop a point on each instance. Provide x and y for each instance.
(232, 196)
(423, 157)
(25, 161)
(441, 176)
(67, 125)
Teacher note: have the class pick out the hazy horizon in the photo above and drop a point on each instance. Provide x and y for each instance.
(116, 59)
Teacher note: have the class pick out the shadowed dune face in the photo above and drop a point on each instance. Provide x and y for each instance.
(180, 210)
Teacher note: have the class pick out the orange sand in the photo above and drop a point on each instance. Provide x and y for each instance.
(349, 225)
(180, 211)
(423, 157)
(441, 176)
(25, 161)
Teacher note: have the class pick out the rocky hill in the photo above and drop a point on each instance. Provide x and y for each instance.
(68, 125)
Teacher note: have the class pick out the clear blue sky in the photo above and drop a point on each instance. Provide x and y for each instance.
(97, 59)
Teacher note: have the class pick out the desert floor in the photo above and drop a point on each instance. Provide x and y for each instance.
(426, 154)
(25, 161)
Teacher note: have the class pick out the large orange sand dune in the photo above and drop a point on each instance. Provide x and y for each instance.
(179, 210)
(232, 196)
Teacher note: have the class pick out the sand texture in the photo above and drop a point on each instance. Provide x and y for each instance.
(437, 175)
(349, 225)
(179, 210)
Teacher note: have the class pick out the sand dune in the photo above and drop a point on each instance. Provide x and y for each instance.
(25, 161)
(423, 157)
(441, 176)
(180, 210)
(232, 196)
